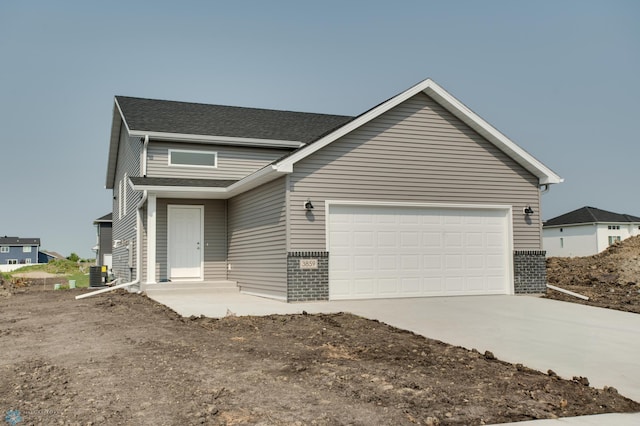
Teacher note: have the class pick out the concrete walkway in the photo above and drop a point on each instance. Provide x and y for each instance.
(570, 339)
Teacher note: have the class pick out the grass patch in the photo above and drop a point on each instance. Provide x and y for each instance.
(67, 268)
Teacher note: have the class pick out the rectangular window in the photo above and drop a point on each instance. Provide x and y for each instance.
(614, 239)
(182, 158)
(26, 249)
(12, 261)
(561, 242)
(614, 227)
(27, 261)
(4, 249)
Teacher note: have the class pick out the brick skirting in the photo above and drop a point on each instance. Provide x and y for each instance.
(529, 271)
(310, 281)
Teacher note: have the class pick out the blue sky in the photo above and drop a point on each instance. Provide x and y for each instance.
(558, 77)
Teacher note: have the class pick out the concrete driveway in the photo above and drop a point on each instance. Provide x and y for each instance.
(570, 339)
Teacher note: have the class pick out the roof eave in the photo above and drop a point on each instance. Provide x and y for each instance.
(545, 175)
(219, 140)
(114, 144)
(260, 177)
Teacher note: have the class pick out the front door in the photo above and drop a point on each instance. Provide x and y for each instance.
(184, 242)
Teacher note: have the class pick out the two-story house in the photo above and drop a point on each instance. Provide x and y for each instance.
(104, 240)
(19, 251)
(418, 196)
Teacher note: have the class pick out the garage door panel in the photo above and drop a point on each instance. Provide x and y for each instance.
(380, 251)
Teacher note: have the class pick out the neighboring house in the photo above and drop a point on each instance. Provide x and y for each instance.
(418, 196)
(587, 231)
(19, 251)
(45, 256)
(104, 241)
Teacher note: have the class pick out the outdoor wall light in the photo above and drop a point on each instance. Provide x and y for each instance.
(308, 205)
(527, 211)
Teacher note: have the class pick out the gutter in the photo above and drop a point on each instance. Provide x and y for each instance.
(139, 206)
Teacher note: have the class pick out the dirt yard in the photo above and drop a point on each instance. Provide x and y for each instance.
(610, 279)
(124, 359)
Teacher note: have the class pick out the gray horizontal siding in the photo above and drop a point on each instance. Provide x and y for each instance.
(124, 227)
(416, 152)
(233, 162)
(257, 243)
(215, 237)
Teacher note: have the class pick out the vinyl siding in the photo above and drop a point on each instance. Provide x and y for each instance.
(416, 152)
(124, 227)
(215, 237)
(257, 243)
(105, 240)
(233, 162)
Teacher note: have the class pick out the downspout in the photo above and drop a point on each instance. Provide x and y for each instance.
(139, 207)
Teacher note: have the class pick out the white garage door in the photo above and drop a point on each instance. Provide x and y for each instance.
(399, 251)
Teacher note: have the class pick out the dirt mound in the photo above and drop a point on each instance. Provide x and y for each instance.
(124, 359)
(610, 279)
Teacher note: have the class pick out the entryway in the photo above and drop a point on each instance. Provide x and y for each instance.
(185, 242)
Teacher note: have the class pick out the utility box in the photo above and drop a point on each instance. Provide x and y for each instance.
(97, 275)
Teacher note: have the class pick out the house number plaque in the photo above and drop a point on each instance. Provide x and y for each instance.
(308, 263)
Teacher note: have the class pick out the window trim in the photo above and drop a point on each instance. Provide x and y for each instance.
(5, 249)
(193, 151)
(27, 249)
(12, 261)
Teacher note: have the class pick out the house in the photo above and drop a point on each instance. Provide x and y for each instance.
(417, 196)
(45, 256)
(104, 240)
(587, 231)
(19, 251)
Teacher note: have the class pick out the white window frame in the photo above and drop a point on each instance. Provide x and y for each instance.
(12, 261)
(614, 239)
(27, 261)
(5, 249)
(26, 249)
(197, 166)
(120, 200)
(124, 195)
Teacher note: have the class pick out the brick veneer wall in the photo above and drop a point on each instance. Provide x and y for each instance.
(529, 271)
(307, 284)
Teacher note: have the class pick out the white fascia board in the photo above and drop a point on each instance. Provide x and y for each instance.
(286, 165)
(473, 120)
(114, 143)
(432, 89)
(262, 176)
(222, 140)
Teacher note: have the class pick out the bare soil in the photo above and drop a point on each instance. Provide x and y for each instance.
(610, 279)
(123, 359)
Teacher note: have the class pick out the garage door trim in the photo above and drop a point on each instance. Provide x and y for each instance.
(506, 209)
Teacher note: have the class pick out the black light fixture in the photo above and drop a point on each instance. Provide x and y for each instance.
(308, 205)
(528, 211)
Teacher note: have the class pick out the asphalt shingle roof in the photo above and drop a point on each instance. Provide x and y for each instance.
(201, 183)
(590, 215)
(153, 115)
(106, 218)
(17, 241)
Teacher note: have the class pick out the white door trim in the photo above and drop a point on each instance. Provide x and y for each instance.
(171, 207)
(508, 209)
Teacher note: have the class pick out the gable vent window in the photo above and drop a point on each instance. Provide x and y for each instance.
(182, 158)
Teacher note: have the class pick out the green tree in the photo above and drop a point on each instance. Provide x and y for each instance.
(73, 257)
